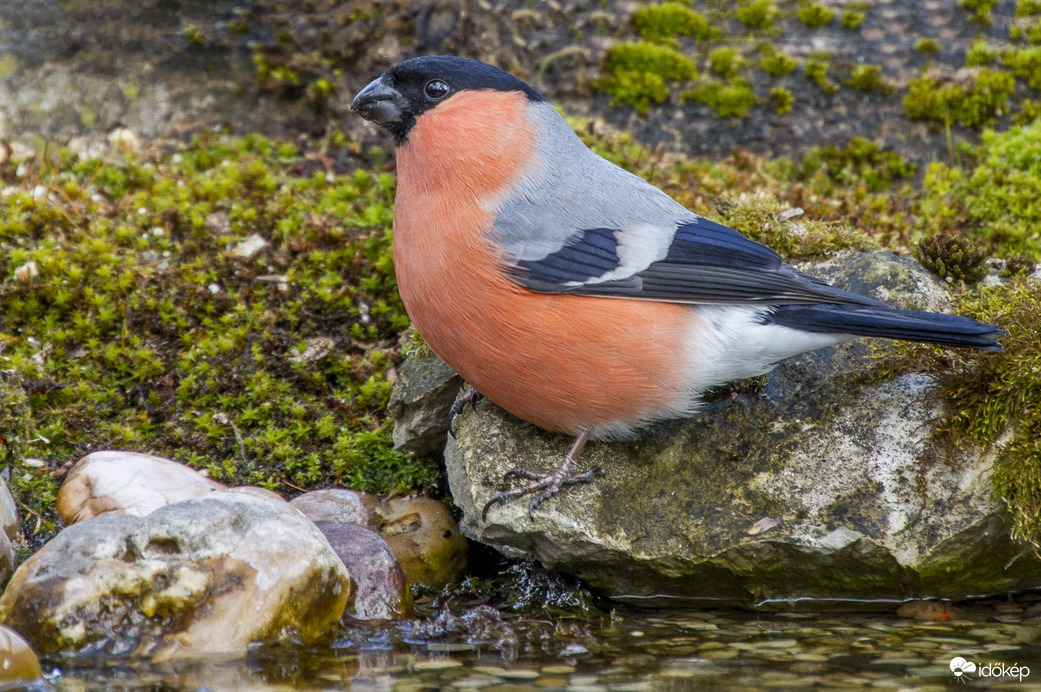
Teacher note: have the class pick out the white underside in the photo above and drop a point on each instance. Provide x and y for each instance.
(727, 343)
(739, 345)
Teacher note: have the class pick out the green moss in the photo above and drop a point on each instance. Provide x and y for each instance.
(268, 72)
(1017, 265)
(815, 14)
(641, 90)
(1029, 31)
(130, 88)
(757, 14)
(761, 217)
(1027, 8)
(783, 100)
(995, 200)
(142, 330)
(1025, 63)
(777, 64)
(980, 53)
(952, 257)
(979, 9)
(734, 99)
(975, 102)
(33, 487)
(725, 61)
(319, 91)
(1000, 393)
(1029, 110)
(642, 56)
(1002, 190)
(8, 64)
(867, 78)
(862, 162)
(853, 14)
(636, 73)
(817, 72)
(669, 19)
(296, 75)
(194, 36)
(928, 46)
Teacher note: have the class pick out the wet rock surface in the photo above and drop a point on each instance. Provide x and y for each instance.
(19, 665)
(7, 559)
(819, 485)
(423, 536)
(114, 482)
(11, 530)
(206, 576)
(8, 512)
(378, 587)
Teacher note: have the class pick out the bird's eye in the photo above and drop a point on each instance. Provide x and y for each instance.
(436, 89)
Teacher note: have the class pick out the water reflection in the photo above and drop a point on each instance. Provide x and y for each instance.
(480, 648)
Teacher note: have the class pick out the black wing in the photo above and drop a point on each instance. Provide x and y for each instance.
(706, 263)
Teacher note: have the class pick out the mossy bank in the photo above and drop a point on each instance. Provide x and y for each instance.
(230, 304)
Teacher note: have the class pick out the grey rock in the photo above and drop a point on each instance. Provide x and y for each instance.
(206, 576)
(898, 281)
(250, 246)
(419, 404)
(818, 484)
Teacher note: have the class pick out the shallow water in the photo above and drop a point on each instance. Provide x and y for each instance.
(624, 649)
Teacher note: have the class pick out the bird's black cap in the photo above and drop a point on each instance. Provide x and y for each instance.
(411, 88)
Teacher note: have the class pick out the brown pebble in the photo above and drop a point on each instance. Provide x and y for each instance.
(18, 663)
(929, 611)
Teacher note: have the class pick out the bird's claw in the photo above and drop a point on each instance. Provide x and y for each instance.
(471, 397)
(523, 474)
(541, 486)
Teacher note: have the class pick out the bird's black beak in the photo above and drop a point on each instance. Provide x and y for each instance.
(380, 103)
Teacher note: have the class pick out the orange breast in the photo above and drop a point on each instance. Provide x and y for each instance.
(562, 362)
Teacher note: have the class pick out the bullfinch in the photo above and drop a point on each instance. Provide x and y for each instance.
(574, 294)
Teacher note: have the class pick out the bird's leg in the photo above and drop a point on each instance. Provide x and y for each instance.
(471, 397)
(542, 486)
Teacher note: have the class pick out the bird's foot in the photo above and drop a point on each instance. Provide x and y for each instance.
(471, 397)
(542, 486)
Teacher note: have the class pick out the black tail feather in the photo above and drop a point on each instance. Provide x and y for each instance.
(889, 323)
